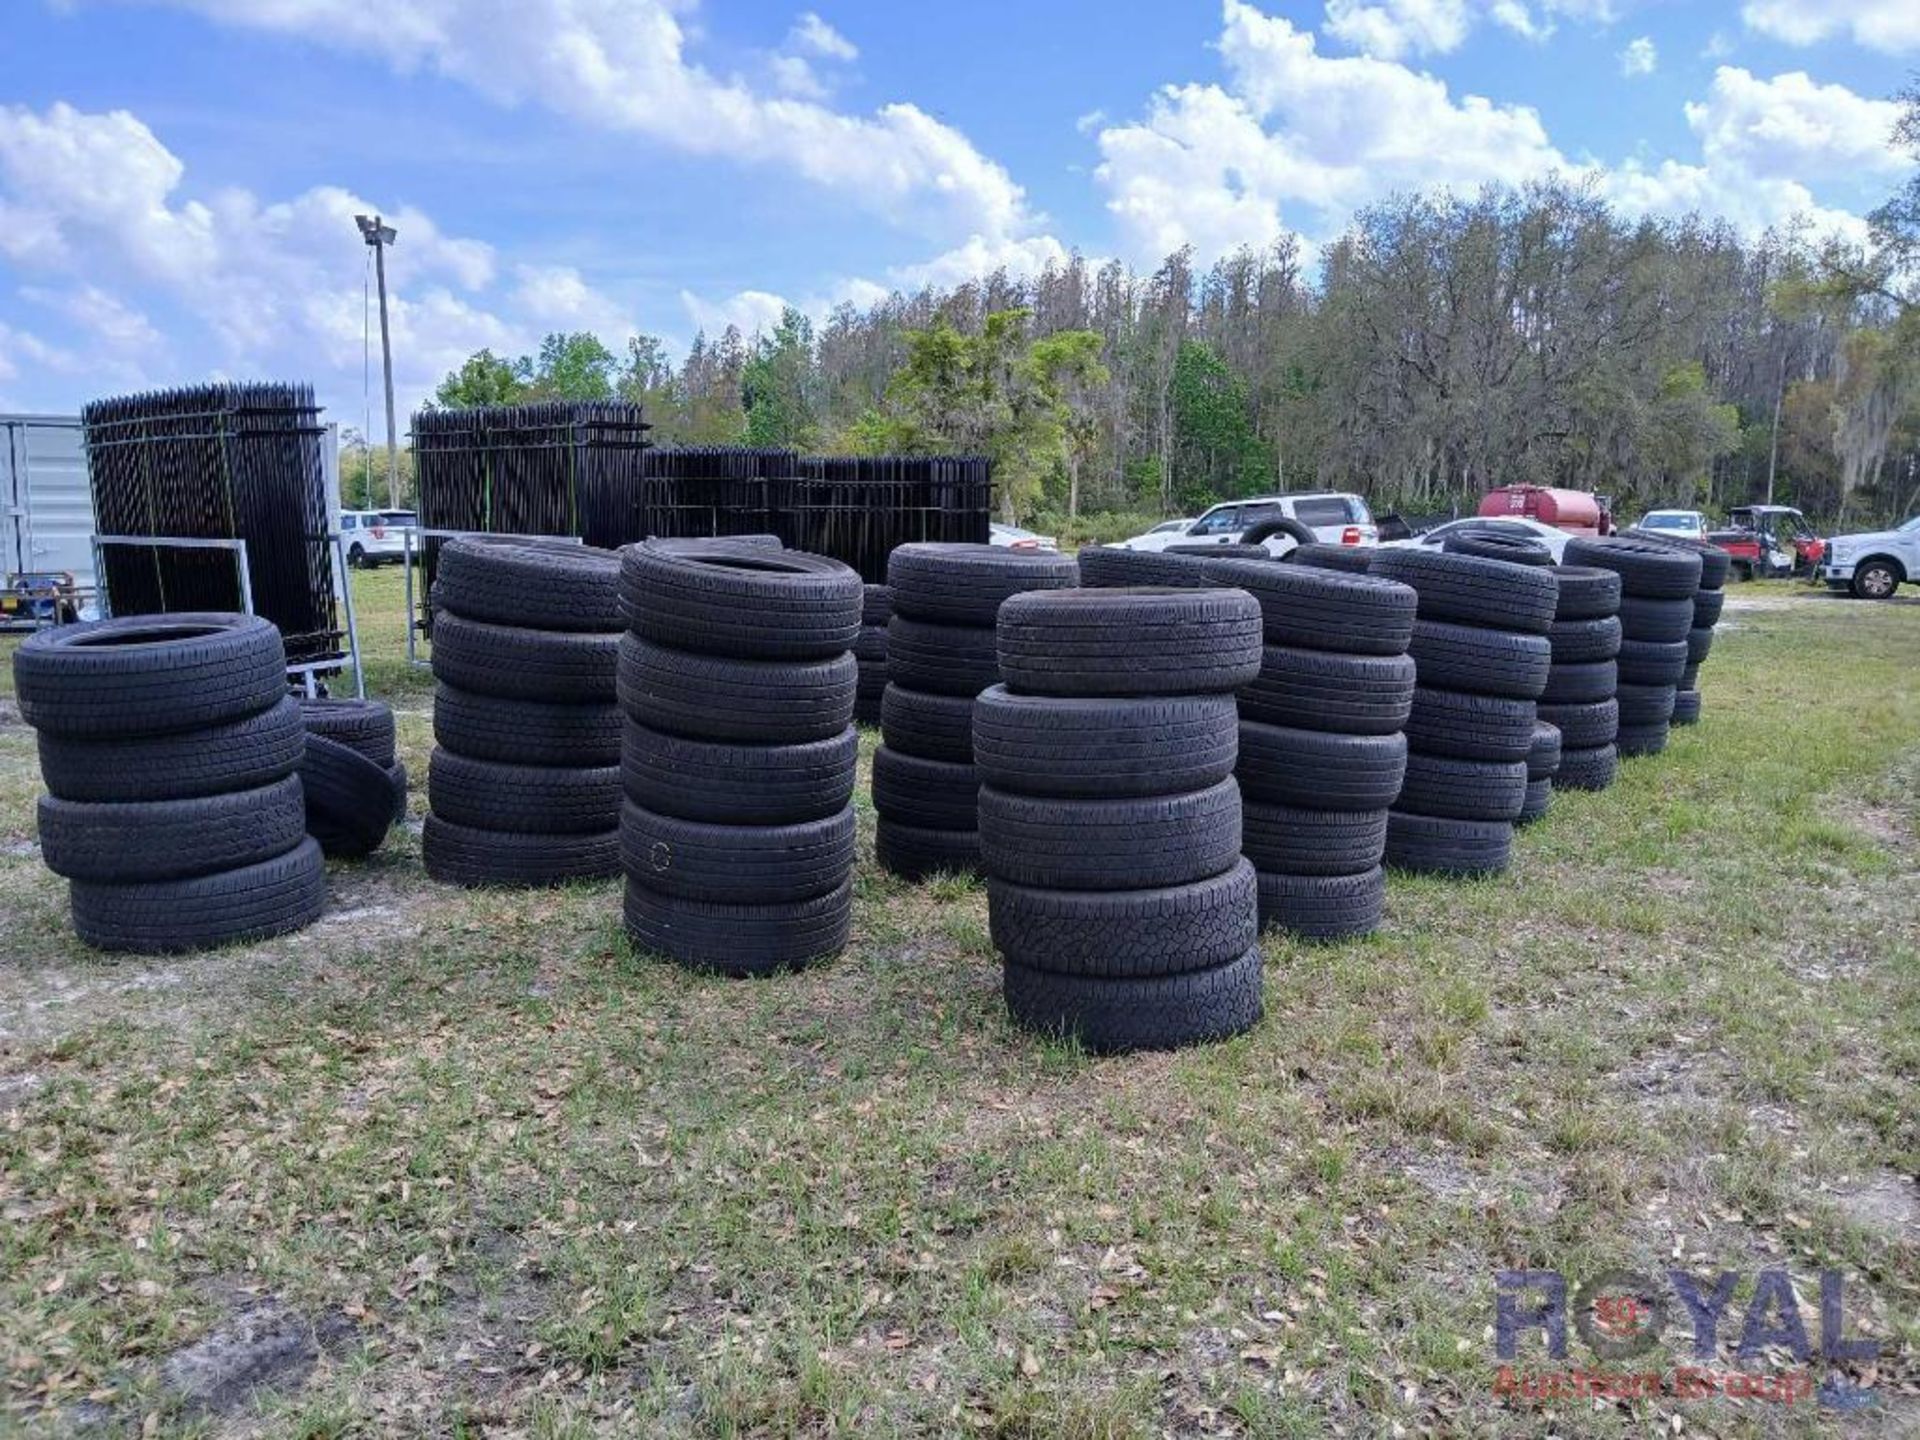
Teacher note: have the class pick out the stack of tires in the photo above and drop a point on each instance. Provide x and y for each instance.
(1543, 763)
(1110, 821)
(1480, 644)
(523, 786)
(940, 655)
(1715, 565)
(1579, 699)
(737, 679)
(354, 782)
(170, 750)
(1658, 585)
(1321, 750)
(870, 652)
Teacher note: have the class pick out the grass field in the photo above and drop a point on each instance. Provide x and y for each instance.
(464, 1164)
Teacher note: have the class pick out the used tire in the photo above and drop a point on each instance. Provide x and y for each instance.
(1643, 705)
(461, 855)
(934, 727)
(1583, 727)
(916, 854)
(736, 864)
(724, 783)
(1319, 769)
(241, 754)
(1591, 768)
(1472, 590)
(1131, 844)
(717, 697)
(362, 725)
(876, 607)
(515, 663)
(1637, 740)
(1647, 569)
(1686, 707)
(120, 842)
(1652, 662)
(1699, 645)
(1286, 840)
(1715, 563)
(1230, 551)
(1580, 684)
(1322, 690)
(1463, 789)
(1656, 620)
(739, 940)
(148, 674)
(1543, 756)
(542, 585)
(1495, 545)
(1323, 907)
(1581, 642)
(1539, 801)
(1107, 567)
(161, 917)
(1481, 661)
(539, 799)
(929, 794)
(1431, 845)
(1124, 934)
(1470, 727)
(1110, 1016)
(743, 602)
(957, 584)
(530, 732)
(1354, 559)
(1103, 747)
(1586, 592)
(1314, 609)
(941, 659)
(349, 799)
(1707, 608)
(1129, 642)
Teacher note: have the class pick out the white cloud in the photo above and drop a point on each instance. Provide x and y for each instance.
(750, 311)
(558, 297)
(816, 37)
(1393, 29)
(109, 319)
(621, 65)
(1641, 57)
(1890, 26)
(1792, 127)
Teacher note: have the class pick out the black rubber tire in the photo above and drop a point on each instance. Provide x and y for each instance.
(722, 783)
(1589, 768)
(1462, 789)
(958, 584)
(1129, 642)
(1470, 727)
(1230, 551)
(941, 659)
(1647, 569)
(1353, 559)
(1474, 591)
(1699, 646)
(1583, 727)
(1107, 567)
(1319, 769)
(1715, 563)
(541, 585)
(927, 794)
(460, 855)
(1286, 525)
(1539, 801)
(1586, 592)
(870, 645)
(1110, 844)
(164, 917)
(1686, 707)
(868, 691)
(1312, 609)
(1481, 661)
(739, 940)
(718, 697)
(148, 674)
(349, 799)
(1643, 705)
(121, 842)
(1581, 642)
(1110, 1017)
(736, 864)
(1655, 620)
(916, 854)
(1103, 747)
(362, 725)
(876, 606)
(520, 664)
(1431, 845)
(1585, 684)
(397, 783)
(1690, 678)
(1638, 740)
(688, 544)
(528, 732)
(1321, 690)
(1285, 840)
(1707, 608)
(934, 727)
(241, 754)
(744, 602)
(1496, 545)
(1126, 934)
(534, 799)
(1543, 756)
(1323, 907)
(1652, 662)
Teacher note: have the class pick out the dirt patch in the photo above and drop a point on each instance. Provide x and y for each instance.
(1887, 1203)
(265, 1348)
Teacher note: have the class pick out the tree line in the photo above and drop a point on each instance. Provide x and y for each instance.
(1446, 345)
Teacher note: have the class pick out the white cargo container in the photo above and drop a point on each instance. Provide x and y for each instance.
(46, 507)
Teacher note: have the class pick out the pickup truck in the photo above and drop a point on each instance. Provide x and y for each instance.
(1874, 565)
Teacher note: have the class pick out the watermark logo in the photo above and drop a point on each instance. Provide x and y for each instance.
(1622, 1316)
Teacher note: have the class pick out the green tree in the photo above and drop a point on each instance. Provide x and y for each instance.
(1215, 450)
(1067, 364)
(573, 366)
(776, 385)
(485, 379)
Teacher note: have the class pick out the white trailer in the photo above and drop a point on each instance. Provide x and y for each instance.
(46, 507)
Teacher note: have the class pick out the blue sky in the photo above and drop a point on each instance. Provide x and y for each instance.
(178, 177)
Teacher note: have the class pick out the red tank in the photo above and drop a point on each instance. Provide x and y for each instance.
(1574, 511)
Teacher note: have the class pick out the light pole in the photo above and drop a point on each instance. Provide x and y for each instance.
(379, 236)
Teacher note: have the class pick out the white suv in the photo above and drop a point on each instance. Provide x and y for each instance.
(1873, 566)
(372, 537)
(1334, 517)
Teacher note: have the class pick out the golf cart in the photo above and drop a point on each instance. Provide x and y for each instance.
(1768, 541)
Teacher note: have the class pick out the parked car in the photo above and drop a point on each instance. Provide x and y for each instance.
(1173, 527)
(1012, 537)
(1681, 524)
(1577, 512)
(1768, 540)
(1873, 565)
(1554, 538)
(1334, 517)
(373, 537)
